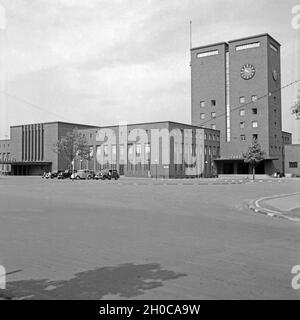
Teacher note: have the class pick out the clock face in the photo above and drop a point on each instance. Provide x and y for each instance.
(247, 71)
(275, 74)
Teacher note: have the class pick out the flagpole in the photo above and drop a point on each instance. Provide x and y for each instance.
(3, 105)
(191, 39)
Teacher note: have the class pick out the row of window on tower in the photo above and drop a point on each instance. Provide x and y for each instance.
(213, 102)
(254, 137)
(254, 124)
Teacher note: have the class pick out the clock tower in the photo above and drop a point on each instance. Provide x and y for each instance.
(236, 89)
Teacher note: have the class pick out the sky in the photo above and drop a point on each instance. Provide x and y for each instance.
(104, 61)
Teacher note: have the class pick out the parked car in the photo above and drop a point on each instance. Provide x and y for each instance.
(107, 174)
(83, 174)
(64, 174)
(53, 174)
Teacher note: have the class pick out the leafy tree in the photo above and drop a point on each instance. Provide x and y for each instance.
(254, 155)
(73, 146)
(296, 108)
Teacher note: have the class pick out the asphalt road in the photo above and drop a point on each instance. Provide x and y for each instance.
(95, 240)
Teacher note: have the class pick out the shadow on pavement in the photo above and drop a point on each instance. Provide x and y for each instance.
(125, 280)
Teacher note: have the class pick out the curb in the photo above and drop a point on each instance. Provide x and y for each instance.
(255, 206)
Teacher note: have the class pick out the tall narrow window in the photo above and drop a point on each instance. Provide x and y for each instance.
(227, 96)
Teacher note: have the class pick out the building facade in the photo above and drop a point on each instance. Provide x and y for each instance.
(292, 159)
(158, 149)
(5, 157)
(236, 88)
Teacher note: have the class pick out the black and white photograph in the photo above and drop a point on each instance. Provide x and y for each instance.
(149, 150)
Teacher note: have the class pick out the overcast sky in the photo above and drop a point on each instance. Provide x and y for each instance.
(104, 61)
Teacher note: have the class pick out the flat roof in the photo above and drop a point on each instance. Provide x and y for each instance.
(157, 122)
(236, 40)
(53, 122)
(86, 126)
(255, 36)
(25, 163)
(210, 45)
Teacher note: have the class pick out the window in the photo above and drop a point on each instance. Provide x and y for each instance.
(202, 116)
(254, 98)
(147, 148)
(213, 126)
(205, 136)
(255, 136)
(105, 151)
(275, 123)
(247, 46)
(273, 48)
(138, 149)
(114, 152)
(243, 137)
(254, 124)
(207, 53)
(213, 103)
(293, 164)
(242, 125)
(202, 104)
(254, 110)
(91, 148)
(213, 114)
(242, 112)
(121, 150)
(242, 99)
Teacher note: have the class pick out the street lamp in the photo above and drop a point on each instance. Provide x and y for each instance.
(155, 169)
(205, 168)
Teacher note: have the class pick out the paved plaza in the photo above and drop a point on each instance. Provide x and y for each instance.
(145, 239)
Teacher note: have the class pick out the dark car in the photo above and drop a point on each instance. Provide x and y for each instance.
(107, 174)
(64, 174)
(53, 174)
(83, 174)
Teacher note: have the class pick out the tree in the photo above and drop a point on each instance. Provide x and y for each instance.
(296, 108)
(73, 146)
(254, 155)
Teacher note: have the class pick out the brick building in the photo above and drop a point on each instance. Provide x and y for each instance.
(163, 149)
(292, 159)
(236, 88)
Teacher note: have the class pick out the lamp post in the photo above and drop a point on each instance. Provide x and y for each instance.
(155, 169)
(205, 168)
